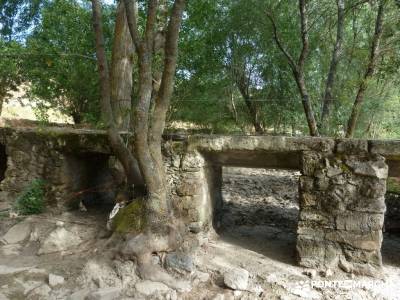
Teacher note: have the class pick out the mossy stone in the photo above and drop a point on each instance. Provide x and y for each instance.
(131, 219)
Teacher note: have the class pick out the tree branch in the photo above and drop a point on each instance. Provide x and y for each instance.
(355, 113)
(167, 82)
(130, 9)
(151, 24)
(304, 34)
(279, 43)
(298, 68)
(328, 97)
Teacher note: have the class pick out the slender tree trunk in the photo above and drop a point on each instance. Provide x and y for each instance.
(312, 124)
(121, 70)
(1, 103)
(254, 113)
(233, 109)
(355, 113)
(305, 99)
(76, 117)
(242, 83)
(298, 67)
(337, 49)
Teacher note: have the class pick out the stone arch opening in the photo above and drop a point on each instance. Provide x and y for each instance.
(391, 236)
(3, 162)
(92, 179)
(260, 210)
(255, 201)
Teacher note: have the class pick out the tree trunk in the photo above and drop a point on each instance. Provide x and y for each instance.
(76, 117)
(355, 113)
(254, 115)
(328, 97)
(121, 70)
(242, 83)
(161, 232)
(298, 67)
(120, 150)
(1, 103)
(305, 100)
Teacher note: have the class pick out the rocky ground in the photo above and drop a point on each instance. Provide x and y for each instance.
(252, 256)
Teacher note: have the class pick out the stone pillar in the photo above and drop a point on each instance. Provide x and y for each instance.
(342, 206)
(194, 193)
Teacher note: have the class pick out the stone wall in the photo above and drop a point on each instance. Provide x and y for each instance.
(342, 207)
(45, 154)
(342, 186)
(342, 191)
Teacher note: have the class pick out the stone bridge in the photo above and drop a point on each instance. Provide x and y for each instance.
(342, 187)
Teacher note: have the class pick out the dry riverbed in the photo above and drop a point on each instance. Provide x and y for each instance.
(252, 256)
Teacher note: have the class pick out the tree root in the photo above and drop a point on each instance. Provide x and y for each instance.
(142, 247)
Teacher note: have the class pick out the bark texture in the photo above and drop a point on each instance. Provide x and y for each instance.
(148, 127)
(121, 151)
(162, 232)
(121, 70)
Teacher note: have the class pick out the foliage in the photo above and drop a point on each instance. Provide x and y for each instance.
(10, 69)
(61, 67)
(32, 200)
(223, 43)
(17, 16)
(219, 36)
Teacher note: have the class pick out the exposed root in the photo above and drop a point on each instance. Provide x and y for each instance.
(152, 272)
(141, 248)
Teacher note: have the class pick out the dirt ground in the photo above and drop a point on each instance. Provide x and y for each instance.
(69, 256)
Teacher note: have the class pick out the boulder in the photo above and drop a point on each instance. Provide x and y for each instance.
(17, 233)
(55, 280)
(148, 287)
(41, 292)
(237, 279)
(99, 274)
(179, 261)
(59, 240)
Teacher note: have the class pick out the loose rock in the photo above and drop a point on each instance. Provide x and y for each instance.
(41, 292)
(237, 279)
(17, 233)
(148, 287)
(55, 280)
(179, 261)
(59, 240)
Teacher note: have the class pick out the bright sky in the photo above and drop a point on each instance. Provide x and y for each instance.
(108, 1)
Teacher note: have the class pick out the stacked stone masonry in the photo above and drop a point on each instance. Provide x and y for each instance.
(341, 189)
(342, 207)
